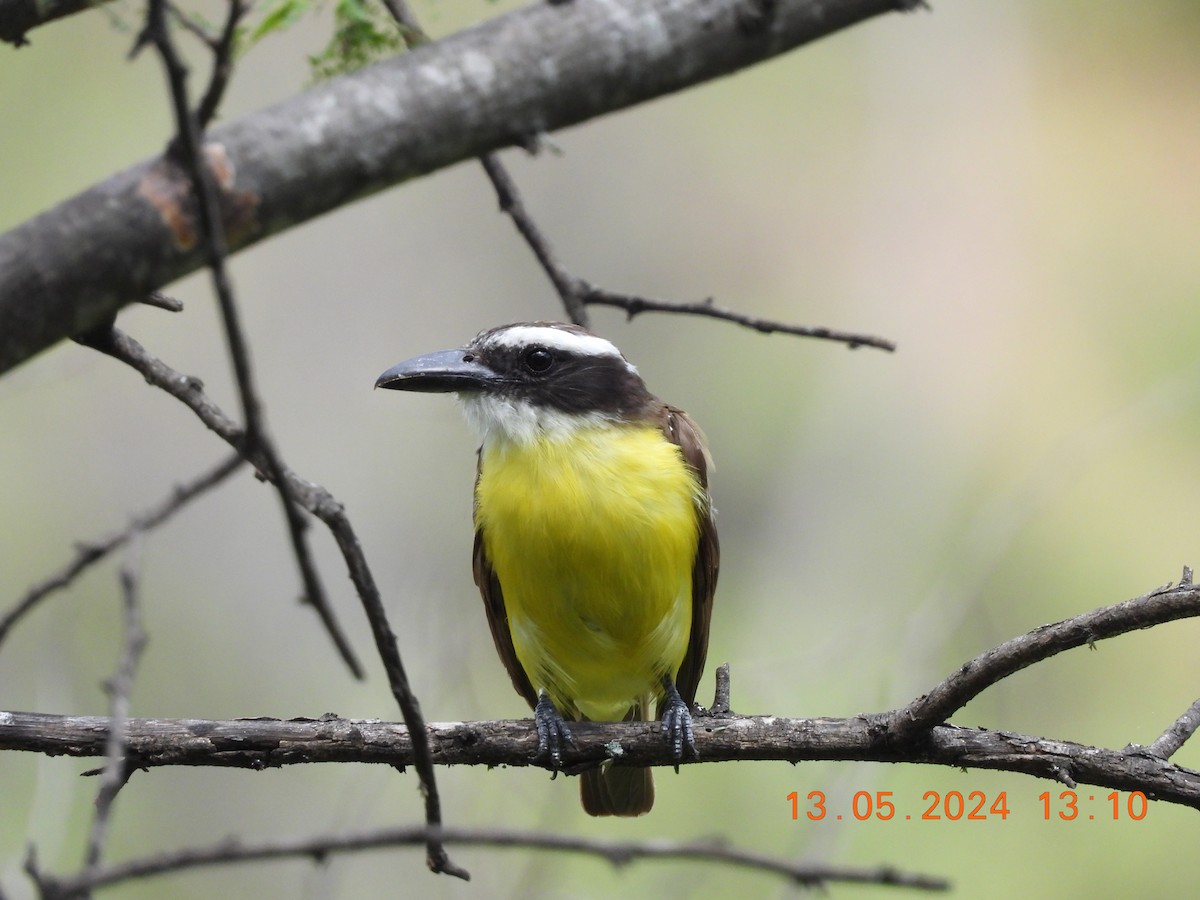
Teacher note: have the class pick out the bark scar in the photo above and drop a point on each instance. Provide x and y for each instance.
(168, 188)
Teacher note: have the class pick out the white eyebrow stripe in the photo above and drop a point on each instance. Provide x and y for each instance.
(568, 341)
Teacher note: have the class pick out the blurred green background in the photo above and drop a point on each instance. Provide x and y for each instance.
(1010, 190)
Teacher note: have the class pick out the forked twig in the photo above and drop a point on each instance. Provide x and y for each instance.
(116, 773)
(186, 148)
(325, 507)
(92, 552)
(634, 305)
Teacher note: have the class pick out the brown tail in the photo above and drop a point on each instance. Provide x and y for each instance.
(616, 791)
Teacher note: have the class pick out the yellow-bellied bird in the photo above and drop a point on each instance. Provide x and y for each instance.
(595, 548)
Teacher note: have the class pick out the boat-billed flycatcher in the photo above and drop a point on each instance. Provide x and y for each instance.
(595, 549)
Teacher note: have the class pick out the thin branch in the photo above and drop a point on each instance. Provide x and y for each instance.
(634, 305)
(1161, 605)
(1177, 735)
(116, 773)
(163, 301)
(325, 507)
(222, 50)
(92, 552)
(187, 148)
(410, 28)
(574, 292)
(570, 288)
(889, 737)
(192, 24)
(721, 693)
(618, 853)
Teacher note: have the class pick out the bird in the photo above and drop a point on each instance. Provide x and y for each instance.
(595, 550)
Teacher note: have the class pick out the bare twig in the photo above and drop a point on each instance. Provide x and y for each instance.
(720, 705)
(1177, 735)
(570, 288)
(222, 50)
(410, 28)
(576, 293)
(1163, 604)
(325, 507)
(94, 551)
(634, 305)
(618, 853)
(163, 301)
(116, 773)
(187, 148)
(193, 26)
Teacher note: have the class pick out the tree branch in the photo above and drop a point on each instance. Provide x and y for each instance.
(325, 507)
(592, 295)
(618, 853)
(1164, 604)
(262, 743)
(569, 287)
(186, 148)
(116, 772)
(1177, 735)
(19, 16)
(87, 554)
(222, 51)
(531, 71)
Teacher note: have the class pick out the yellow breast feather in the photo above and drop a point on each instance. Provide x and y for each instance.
(593, 537)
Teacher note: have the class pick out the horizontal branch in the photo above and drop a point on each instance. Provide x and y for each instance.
(268, 743)
(634, 305)
(616, 852)
(541, 68)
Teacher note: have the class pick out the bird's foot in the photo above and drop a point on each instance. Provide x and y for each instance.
(553, 733)
(677, 723)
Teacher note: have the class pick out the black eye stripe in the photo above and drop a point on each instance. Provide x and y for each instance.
(557, 378)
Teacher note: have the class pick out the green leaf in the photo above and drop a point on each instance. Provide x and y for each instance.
(284, 15)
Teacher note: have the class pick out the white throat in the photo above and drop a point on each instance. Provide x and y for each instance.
(502, 420)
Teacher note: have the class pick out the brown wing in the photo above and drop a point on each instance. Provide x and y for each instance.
(682, 431)
(493, 604)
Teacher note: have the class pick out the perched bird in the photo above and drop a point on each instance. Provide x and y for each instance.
(595, 548)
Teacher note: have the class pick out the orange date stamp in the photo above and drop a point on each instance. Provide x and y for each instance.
(972, 806)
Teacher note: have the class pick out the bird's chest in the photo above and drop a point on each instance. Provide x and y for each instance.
(593, 540)
(599, 528)
(606, 496)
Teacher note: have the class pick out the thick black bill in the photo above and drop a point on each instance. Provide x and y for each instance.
(440, 372)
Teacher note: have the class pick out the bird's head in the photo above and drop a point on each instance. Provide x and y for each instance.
(530, 380)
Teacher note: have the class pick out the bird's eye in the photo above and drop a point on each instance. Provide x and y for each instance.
(538, 360)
